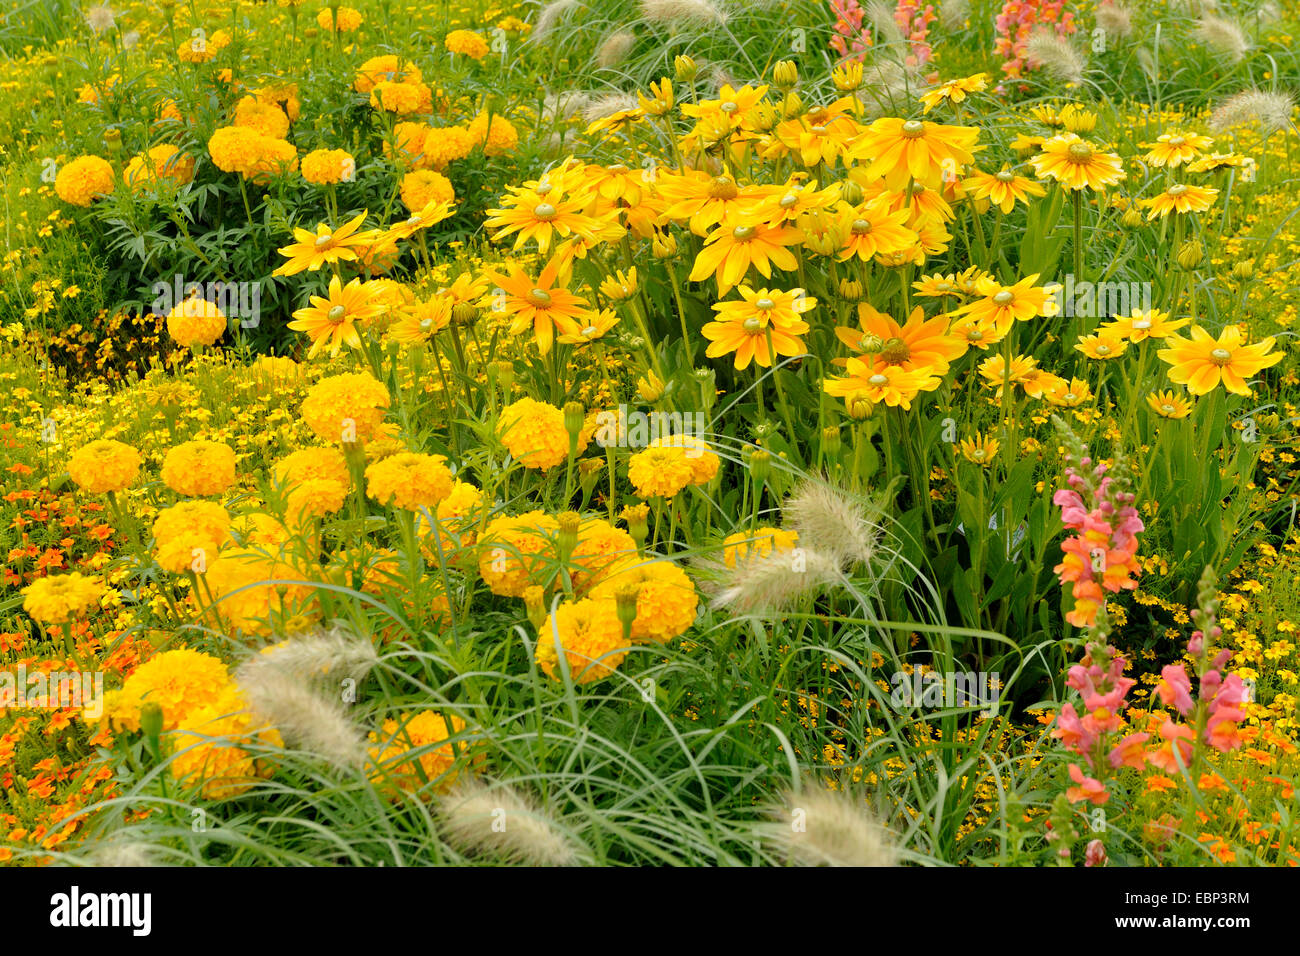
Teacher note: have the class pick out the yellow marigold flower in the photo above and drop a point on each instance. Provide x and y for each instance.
(980, 450)
(194, 322)
(421, 733)
(513, 551)
(188, 536)
(746, 545)
(1202, 361)
(327, 166)
(265, 117)
(255, 530)
(409, 480)
(498, 139)
(313, 464)
(164, 163)
(199, 468)
(209, 750)
(666, 601)
(600, 546)
(251, 592)
(1180, 198)
(201, 49)
(346, 408)
(443, 145)
(180, 681)
(59, 598)
(467, 43)
(661, 471)
(1168, 405)
(386, 67)
(233, 147)
(104, 466)
(422, 187)
(534, 433)
(404, 99)
(1077, 164)
(81, 180)
(590, 634)
(313, 498)
(344, 20)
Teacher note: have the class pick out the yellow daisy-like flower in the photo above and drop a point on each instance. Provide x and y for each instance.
(199, 468)
(730, 251)
(1202, 361)
(1003, 189)
(1139, 325)
(1174, 148)
(1076, 164)
(999, 306)
(545, 304)
(903, 150)
(980, 449)
(878, 382)
(590, 635)
(872, 229)
(332, 320)
(1180, 199)
(954, 91)
(103, 466)
(325, 246)
(764, 322)
(1168, 405)
(1103, 346)
(1067, 394)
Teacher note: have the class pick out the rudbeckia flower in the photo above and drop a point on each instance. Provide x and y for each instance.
(1003, 189)
(542, 303)
(731, 249)
(1175, 148)
(900, 150)
(332, 320)
(324, 246)
(1202, 361)
(761, 319)
(1180, 198)
(1077, 164)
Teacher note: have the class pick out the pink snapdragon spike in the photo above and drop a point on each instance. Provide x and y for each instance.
(914, 22)
(1175, 688)
(1102, 555)
(852, 39)
(1017, 20)
(1095, 854)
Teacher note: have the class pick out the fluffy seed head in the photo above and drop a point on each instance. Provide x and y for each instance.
(498, 821)
(771, 582)
(822, 827)
(839, 524)
(681, 12)
(1224, 36)
(615, 49)
(1271, 111)
(1056, 55)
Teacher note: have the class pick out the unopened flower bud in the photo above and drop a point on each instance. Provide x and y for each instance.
(685, 68)
(1190, 254)
(650, 387)
(785, 75)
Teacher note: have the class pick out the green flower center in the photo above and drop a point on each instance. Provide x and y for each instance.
(743, 233)
(913, 128)
(1220, 357)
(336, 314)
(1004, 297)
(1177, 189)
(540, 298)
(323, 241)
(544, 211)
(861, 227)
(878, 379)
(765, 304)
(1080, 152)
